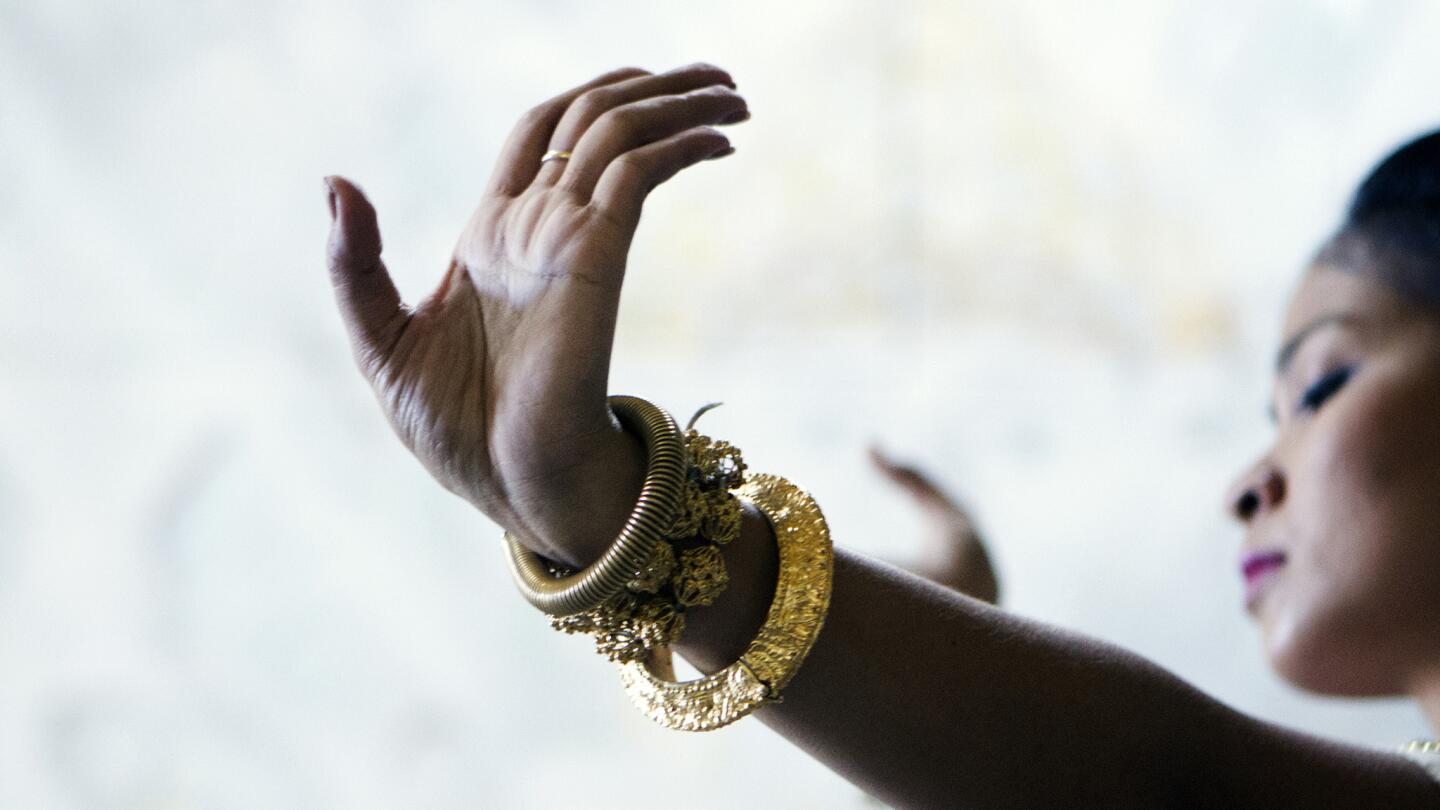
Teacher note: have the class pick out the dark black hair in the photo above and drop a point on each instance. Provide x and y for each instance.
(1392, 227)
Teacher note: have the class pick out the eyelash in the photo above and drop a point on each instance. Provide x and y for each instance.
(1324, 388)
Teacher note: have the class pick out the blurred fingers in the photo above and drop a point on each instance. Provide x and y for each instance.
(907, 478)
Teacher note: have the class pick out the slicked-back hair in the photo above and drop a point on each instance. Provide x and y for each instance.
(1391, 230)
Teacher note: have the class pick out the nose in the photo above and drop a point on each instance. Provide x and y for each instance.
(1262, 487)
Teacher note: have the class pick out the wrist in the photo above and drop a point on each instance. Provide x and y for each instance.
(719, 634)
(581, 509)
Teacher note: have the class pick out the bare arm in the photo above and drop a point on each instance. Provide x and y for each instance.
(927, 698)
(497, 383)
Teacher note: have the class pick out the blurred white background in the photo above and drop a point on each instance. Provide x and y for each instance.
(1040, 249)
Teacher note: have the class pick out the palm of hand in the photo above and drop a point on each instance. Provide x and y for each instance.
(498, 343)
(497, 381)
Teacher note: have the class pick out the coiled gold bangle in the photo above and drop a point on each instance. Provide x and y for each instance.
(802, 599)
(654, 510)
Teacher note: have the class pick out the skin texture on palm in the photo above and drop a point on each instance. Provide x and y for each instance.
(920, 695)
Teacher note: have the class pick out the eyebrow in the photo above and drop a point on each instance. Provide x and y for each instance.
(1287, 352)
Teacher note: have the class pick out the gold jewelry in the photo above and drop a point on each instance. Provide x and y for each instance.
(656, 573)
(632, 550)
(628, 626)
(555, 154)
(1426, 754)
(802, 598)
(686, 570)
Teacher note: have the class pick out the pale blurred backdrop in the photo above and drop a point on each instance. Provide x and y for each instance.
(1040, 249)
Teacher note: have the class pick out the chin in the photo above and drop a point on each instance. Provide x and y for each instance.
(1332, 662)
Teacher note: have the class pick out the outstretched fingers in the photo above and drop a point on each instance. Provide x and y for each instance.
(628, 127)
(370, 305)
(593, 104)
(520, 158)
(629, 178)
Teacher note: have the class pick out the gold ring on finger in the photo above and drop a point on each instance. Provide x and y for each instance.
(555, 154)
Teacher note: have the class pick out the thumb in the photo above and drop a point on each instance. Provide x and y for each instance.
(368, 301)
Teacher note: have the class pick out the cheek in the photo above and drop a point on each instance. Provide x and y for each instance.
(1376, 458)
(1383, 462)
(1366, 487)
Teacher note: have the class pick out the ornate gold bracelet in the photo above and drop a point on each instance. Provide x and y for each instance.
(802, 598)
(686, 570)
(668, 560)
(660, 499)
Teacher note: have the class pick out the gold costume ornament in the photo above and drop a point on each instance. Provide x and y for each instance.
(721, 523)
(1425, 753)
(665, 478)
(656, 573)
(702, 577)
(802, 598)
(685, 569)
(668, 560)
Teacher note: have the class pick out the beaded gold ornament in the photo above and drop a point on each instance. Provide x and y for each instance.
(686, 568)
(802, 599)
(561, 593)
(668, 560)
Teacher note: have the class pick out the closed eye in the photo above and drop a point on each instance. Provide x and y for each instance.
(1324, 388)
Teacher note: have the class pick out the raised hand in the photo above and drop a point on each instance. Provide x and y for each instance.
(497, 381)
(954, 554)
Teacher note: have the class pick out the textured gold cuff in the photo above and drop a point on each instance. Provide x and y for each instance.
(802, 598)
(660, 498)
(687, 569)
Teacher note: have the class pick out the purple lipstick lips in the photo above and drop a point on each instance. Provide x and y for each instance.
(1257, 568)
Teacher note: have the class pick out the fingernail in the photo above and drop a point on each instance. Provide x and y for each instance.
(726, 152)
(330, 195)
(736, 117)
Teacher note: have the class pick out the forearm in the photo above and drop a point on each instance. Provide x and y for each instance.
(927, 698)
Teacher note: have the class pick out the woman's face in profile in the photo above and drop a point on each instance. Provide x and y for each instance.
(1342, 546)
